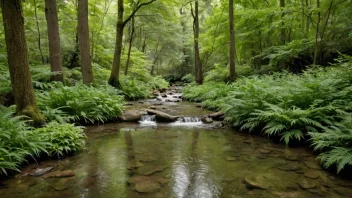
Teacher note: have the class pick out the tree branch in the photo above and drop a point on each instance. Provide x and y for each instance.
(135, 11)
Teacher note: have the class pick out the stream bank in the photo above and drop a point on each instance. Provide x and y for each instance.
(185, 158)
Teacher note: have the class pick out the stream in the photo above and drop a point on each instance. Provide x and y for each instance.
(182, 159)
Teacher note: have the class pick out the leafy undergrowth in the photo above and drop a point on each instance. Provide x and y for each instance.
(81, 103)
(315, 106)
(19, 141)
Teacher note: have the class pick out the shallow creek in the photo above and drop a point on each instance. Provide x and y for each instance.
(180, 159)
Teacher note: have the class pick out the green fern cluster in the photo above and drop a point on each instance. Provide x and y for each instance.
(83, 103)
(19, 141)
(335, 144)
(292, 107)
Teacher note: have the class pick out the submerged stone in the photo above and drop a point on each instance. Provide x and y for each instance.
(60, 185)
(288, 194)
(229, 158)
(311, 175)
(291, 157)
(313, 165)
(150, 169)
(58, 174)
(307, 184)
(258, 182)
(288, 167)
(264, 151)
(41, 171)
(147, 186)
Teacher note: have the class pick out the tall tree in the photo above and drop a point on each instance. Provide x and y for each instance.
(198, 71)
(17, 55)
(83, 36)
(232, 43)
(38, 32)
(316, 46)
(283, 32)
(130, 45)
(121, 23)
(54, 39)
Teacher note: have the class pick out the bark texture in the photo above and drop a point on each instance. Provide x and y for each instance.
(18, 60)
(83, 36)
(232, 43)
(54, 40)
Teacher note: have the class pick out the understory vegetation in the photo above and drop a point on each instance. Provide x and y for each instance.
(313, 107)
(20, 142)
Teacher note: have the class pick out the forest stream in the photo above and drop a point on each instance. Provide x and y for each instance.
(185, 158)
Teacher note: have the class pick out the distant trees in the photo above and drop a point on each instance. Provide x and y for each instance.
(17, 55)
(121, 23)
(83, 36)
(54, 40)
(232, 43)
(198, 70)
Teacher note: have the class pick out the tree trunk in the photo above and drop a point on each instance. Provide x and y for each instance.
(283, 34)
(38, 31)
(198, 72)
(83, 36)
(232, 43)
(18, 60)
(54, 39)
(130, 47)
(121, 23)
(115, 71)
(316, 47)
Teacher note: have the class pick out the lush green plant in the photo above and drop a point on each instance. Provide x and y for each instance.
(188, 78)
(17, 141)
(63, 138)
(84, 103)
(292, 107)
(335, 143)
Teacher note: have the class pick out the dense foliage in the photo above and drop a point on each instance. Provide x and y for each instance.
(84, 103)
(19, 141)
(311, 106)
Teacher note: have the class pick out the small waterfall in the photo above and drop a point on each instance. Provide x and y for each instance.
(189, 119)
(148, 120)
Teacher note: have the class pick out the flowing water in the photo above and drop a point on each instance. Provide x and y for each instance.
(184, 159)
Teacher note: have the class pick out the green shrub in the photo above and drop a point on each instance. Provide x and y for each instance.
(84, 103)
(63, 138)
(292, 107)
(335, 143)
(188, 78)
(17, 141)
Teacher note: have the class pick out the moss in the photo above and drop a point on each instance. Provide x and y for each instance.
(33, 113)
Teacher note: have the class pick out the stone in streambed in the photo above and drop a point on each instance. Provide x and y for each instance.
(258, 182)
(206, 120)
(58, 174)
(161, 116)
(147, 186)
(291, 157)
(311, 175)
(307, 184)
(150, 169)
(230, 158)
(217, 116)
(264, 151)
(41, 171)
(131, 116)
(60, 185)
(288, 167)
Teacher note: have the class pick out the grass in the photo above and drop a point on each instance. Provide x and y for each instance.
(310, 107)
